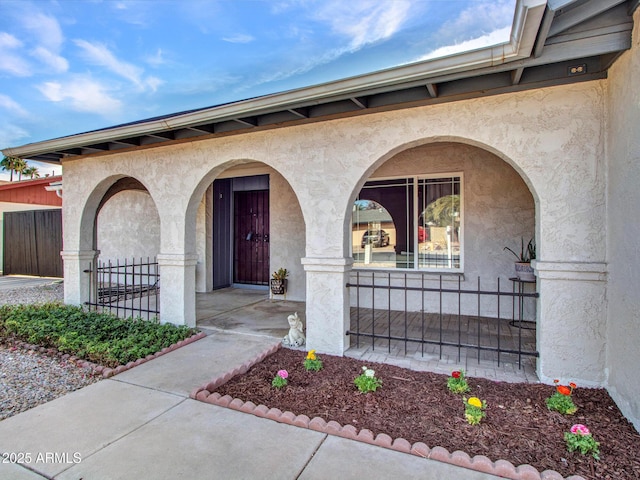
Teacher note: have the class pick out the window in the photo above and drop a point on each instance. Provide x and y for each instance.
(413, 222)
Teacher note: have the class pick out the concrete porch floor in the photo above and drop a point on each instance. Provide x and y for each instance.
(252, 312)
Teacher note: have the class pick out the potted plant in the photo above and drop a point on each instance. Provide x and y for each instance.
(524, 271)
(279, 281)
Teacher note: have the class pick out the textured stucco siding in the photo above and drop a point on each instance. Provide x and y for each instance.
(498, 210)
(128, 228)
(623, 229)
(287, 235)
(553, 138)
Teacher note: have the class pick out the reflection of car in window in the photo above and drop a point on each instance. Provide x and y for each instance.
(376, 238)
(423, 234)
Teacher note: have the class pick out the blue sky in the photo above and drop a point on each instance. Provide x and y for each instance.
(70, 66)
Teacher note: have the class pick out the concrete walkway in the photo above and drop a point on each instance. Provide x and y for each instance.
(142, 424)
(10, 282)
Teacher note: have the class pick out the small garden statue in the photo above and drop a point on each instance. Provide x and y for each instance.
(295, 337)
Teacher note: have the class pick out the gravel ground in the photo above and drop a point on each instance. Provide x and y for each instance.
(29, 378)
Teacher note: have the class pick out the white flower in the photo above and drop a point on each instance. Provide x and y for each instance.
(369, 373)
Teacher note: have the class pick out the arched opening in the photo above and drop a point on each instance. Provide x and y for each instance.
(127, 223)
(446, 285)
(124, 276)
(246, 223)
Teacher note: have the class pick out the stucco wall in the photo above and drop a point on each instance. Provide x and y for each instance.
(128, 227)
(623, 226)
(553, 137)
(498, 210)
(287, 235)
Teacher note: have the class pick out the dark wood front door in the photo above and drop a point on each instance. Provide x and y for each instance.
(251, 237)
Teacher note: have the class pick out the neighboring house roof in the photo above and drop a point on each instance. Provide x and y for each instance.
(552, 42)
(31, 191)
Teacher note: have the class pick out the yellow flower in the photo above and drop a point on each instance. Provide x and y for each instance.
(475, 402)
(311, 355)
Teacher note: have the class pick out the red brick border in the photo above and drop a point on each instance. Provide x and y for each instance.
(106, 372)
(501, 468)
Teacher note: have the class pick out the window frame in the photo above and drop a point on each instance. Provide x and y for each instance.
(416, 208)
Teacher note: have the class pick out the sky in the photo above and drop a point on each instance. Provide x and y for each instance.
(71, 66)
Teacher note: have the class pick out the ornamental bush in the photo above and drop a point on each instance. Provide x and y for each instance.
(101, 338)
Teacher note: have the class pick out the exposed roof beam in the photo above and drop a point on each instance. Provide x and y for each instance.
(129, 142)
(161, 135)
(300, 112)
(210, 128)
(249, 122)
(87, 149)
(361, 103)
(543, 33)
(580, 14)
(516, 75)
(432, 88)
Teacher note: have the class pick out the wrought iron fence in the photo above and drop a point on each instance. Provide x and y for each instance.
(402, 309)
(128, 288)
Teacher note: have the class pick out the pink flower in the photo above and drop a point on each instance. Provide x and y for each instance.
(580, 429)
(283, 373)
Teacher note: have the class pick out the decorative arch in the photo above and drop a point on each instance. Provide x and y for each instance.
(98, 196)
(454, 157)
(436, 140)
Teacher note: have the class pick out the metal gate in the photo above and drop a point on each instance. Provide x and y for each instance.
(381, 316)
(127, 288)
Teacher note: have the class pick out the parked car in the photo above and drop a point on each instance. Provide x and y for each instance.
(377, 238)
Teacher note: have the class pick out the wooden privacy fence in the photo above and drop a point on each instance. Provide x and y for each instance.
(32, 243)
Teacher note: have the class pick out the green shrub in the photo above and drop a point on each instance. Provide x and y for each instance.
(98, 337)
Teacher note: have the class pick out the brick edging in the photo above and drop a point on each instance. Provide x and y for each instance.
(501, 468)
(106, 372)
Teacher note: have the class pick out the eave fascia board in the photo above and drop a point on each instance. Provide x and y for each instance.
(527, 18)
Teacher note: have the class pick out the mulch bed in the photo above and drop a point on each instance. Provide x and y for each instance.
(418, 407)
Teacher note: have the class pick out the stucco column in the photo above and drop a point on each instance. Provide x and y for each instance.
(572, 316)
(327, 311)
(77, 282)
(178, 288)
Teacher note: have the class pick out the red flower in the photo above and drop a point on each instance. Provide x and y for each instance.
(455, 374)
(573, 385)
(563, 390)
(556, 381)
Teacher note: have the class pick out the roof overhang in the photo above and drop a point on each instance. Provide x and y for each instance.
(552, 42)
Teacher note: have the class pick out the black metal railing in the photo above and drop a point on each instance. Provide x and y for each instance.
(128, 288)
(396, 309)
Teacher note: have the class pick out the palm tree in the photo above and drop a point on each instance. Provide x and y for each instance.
(9, 163)
(31, 172)
(19, 166)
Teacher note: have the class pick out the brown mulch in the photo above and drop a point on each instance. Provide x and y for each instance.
(418, 407)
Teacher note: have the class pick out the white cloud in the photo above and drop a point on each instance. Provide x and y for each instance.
(11, 135)
(48, 36)
(12, 106)
(480, 19)
(99, 54)
(56, 62)
(10, 60)
(239, 38)
(156, 59)
(9, 41)
(45, 28)
(494, 38)
(83, 95)
(153, 83)
(364, 21)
